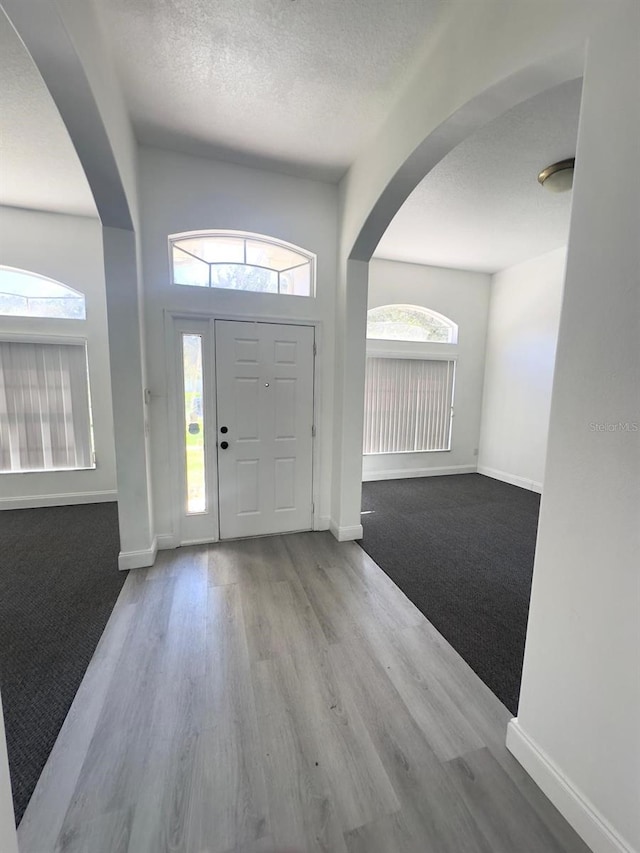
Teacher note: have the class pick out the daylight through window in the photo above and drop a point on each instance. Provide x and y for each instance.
(26, 294)
(410, 323)
(408, 405)
(45, 416)
(234, 261)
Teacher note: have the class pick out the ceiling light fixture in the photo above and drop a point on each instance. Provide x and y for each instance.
(558, 178)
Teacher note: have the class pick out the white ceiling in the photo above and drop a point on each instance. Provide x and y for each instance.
(39, 167)
(299, 85)
(482, 208)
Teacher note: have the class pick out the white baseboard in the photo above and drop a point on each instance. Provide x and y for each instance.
(402, 473)
(345, 534)
(138, 559)
(323, 522)
(166, 541)
(590, 825)
(63, 499)
(513, 479)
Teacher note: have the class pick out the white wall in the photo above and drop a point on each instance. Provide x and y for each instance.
(475, 46)
(578, 726)
(182, 193)
(524, 315)
(493, 54)
(68, 249)
(580, 701)
(464, 298)
(67, 43)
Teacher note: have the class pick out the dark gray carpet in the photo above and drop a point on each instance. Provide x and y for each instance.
(461, 548)
(59, 581)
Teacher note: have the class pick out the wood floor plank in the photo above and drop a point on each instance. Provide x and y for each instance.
(408, 669)
(302, 810)
(228, 809)
(402, 832)
(245, 559)
(430, 805)
(283, 627)
(117, 754)
(489, 718)
(107, 833)
(503, 814)
(282, 694)
(160, 819)
(43, 818)
(279, 620)
(334, 737)
(330, 608)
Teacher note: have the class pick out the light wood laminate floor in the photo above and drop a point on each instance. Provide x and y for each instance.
(282, 694)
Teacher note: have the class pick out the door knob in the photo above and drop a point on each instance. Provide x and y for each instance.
(224, 445)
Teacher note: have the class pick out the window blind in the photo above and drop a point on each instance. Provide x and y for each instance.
(44, 407)
(408, 405)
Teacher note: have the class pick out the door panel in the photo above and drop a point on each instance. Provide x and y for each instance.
(264, 379)
(246, 393)
(285, 394)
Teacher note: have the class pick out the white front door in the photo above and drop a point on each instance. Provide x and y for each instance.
(264, 382)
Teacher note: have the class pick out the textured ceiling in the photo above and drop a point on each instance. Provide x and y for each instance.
(39, 168)
(482, 208)
(296, 84)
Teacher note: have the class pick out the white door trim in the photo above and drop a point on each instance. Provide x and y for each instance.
(176, 323)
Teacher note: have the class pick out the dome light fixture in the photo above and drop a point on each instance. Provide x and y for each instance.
(558, 178)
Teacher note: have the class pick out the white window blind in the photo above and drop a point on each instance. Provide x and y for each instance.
(408, 405)
(44, 407)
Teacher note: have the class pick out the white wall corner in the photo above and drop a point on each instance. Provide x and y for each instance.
(582, 815)
(322, 522)
(402, 473)
(138, 559)
(345, 534)
(513, 479)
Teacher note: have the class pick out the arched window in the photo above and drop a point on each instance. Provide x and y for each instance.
(45, 413)
(27, 294)
(410, 323)
(240, 261)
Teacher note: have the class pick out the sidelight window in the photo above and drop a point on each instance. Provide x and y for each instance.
(194, 423)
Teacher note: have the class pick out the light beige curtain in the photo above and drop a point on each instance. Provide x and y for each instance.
(44, 407)
(408, 405)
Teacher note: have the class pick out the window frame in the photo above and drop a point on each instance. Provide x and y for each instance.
(62, 331)
(423, 351)
(421, 354)
(309, 256)
(58, 340)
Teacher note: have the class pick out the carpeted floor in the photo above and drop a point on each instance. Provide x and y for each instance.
(461, 547)
(59, 581)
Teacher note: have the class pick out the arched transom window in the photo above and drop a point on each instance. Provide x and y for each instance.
(240, 261)
(410, 323)
(27, 294)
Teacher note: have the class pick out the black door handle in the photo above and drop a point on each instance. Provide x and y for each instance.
(224, 445)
